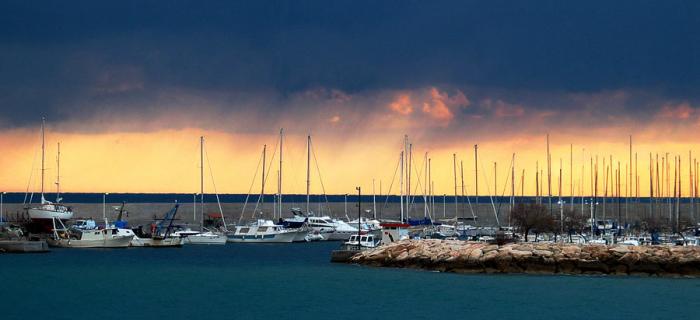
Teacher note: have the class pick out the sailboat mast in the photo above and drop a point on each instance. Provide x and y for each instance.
(58, 174)
(408, 180)
(454, 170)
(374, 201)
(512, 187)
(201, 181)
(401, 183)
(308, 171)
(476, 178)
(262, 187)
(461, 170)
(430, 188)
(549, 177)
(43, 151)
(571, 174)
(279, 178)
(425, 186)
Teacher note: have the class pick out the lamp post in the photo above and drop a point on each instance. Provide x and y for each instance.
(104, 206)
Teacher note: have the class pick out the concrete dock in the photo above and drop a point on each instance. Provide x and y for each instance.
(23, 246)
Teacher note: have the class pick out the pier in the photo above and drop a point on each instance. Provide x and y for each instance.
(535, 258)
(23, 246)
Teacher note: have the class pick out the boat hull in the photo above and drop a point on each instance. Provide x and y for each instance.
(215, 239)
(283, 237)
(115, 242)
(43, 214)
(157, 243)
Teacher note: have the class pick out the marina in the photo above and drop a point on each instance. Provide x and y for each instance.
(355, 159)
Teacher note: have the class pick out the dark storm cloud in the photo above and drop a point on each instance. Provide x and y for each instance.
(74, 59)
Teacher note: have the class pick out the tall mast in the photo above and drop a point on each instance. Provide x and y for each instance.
(425, 186)
(374, 201)
(201, 181)
(401, 183)
(630, 176)
(461, 170)
(561, 204)
(43, 149)
(279, 181)
(430, 189)
(308, 171)
(476, 178)
(262, 185)
(571, 175)
(512, 186)
(58, 174)
(549, 177)
(454, 170)
(408, 180)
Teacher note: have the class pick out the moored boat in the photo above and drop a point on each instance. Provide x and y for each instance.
(96, 238)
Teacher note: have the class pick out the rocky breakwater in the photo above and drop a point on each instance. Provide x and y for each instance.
(535, 258)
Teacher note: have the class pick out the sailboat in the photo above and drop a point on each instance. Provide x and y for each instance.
(48, 211)
(266, 231)
(325, 226)
(204, 236)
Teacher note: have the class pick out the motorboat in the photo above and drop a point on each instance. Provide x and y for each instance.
(361, 242)
(264, 231)
(95, 238)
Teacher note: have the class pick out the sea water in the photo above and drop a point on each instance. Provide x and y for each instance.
(297, 281)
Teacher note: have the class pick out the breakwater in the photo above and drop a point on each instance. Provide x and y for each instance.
(534, 258)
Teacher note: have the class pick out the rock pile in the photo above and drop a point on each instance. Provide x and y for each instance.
(538, 258)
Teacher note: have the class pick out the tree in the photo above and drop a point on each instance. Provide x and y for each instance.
(532, 217)
(574, 222)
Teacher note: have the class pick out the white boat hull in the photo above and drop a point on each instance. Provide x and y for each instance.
(114, 242)
(206, 238)
(45, 214)
(159, 243)
(284, 237)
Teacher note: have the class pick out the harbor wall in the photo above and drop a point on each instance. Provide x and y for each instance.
(140, 213)
(534, 258)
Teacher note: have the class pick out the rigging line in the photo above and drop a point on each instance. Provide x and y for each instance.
(418, 184)
(218, 201)
(320, 179)
(393, 178)
(252, 183)
(267, 176)
(29, 183)
(486, 180)
(505, 185)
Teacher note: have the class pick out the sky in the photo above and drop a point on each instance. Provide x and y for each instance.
(128, 87)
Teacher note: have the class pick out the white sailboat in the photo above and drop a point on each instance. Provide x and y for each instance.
(205, 236)
(47, 211)
(266, 231)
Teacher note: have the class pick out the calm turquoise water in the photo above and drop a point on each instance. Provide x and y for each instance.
(297, 282)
